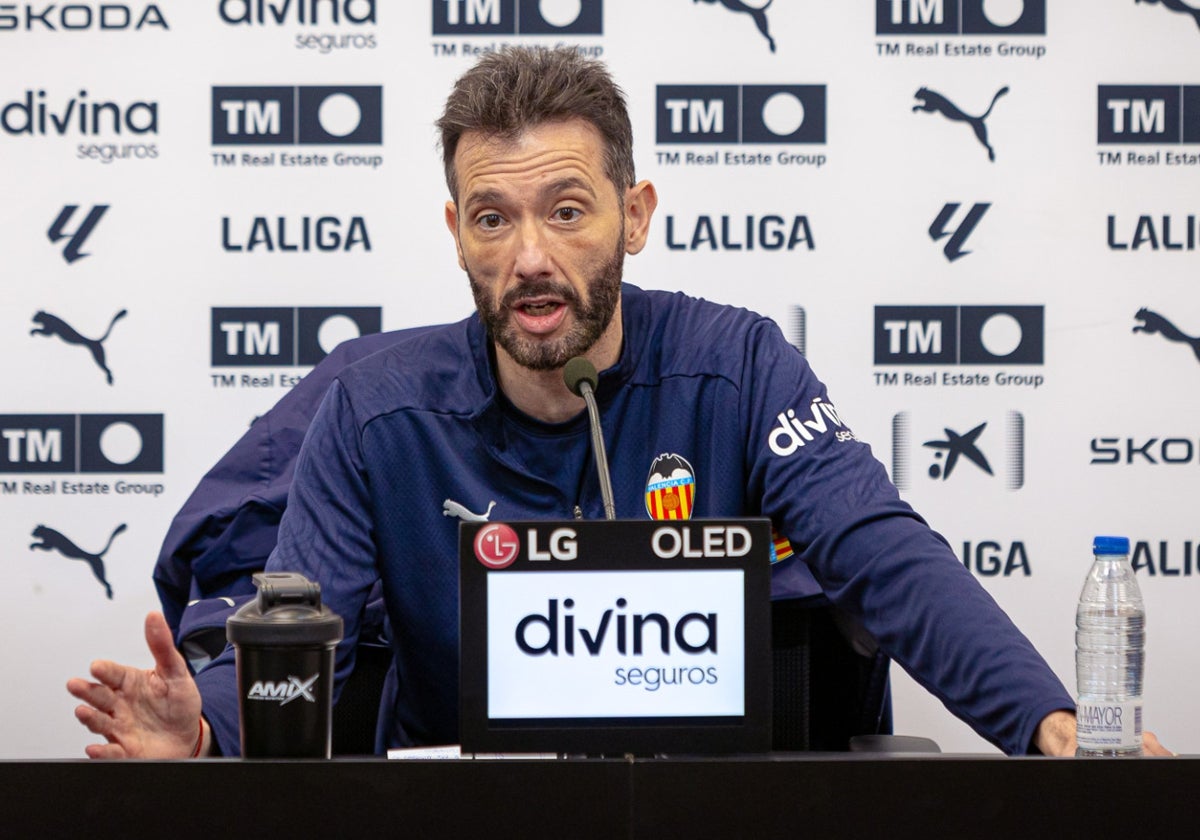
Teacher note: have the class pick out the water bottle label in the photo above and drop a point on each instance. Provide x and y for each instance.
(1105, 725)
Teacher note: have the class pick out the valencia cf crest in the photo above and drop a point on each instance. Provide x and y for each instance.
(670, 488)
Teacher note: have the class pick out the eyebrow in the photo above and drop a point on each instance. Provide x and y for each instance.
(493, 196)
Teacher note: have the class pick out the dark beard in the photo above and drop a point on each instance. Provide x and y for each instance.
(591, 318)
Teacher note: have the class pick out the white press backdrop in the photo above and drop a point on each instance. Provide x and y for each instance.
(1110, 439)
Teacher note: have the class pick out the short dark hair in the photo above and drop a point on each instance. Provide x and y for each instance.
(518, 88)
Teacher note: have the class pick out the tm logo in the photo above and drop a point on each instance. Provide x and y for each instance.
(959, 335)
(960, 17)
(306, 115)
(58, 232)
(958, 236)
(740, 114)
(283, 335)
(284, 692)
(1154, 114)
(756, 10)
(518, 17)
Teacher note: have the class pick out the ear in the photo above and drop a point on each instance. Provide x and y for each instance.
(640, 201)
(452, 225)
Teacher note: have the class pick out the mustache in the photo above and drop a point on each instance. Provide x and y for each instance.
(539, 288)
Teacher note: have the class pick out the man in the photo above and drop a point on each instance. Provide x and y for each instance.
(544, 206)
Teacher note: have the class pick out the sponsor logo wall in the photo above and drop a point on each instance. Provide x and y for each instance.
(976, 218)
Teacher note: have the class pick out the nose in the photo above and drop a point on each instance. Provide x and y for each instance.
(533, 258)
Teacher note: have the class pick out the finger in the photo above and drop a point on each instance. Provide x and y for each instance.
(111, 674)
(97, 722)
(1151, 745)
(105, 751)
(168, 662)
(100, 696)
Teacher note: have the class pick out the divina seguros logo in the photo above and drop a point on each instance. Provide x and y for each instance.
(41, 114)
(339, 15)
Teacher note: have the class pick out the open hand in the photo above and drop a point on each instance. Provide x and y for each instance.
(143, 713)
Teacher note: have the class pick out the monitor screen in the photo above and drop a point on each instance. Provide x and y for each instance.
(615, 637)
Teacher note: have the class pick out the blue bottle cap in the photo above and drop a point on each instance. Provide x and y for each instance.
(1110, 545)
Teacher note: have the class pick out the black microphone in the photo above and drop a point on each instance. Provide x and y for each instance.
(580, 377)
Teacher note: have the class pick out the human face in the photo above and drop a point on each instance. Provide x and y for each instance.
(540, 231)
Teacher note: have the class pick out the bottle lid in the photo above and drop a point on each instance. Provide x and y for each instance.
(1110, 545)
(288, 611)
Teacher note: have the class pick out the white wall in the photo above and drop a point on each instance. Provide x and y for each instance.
(157, 252)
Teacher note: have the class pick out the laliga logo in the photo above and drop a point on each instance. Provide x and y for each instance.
(496, 546)
(284, 692)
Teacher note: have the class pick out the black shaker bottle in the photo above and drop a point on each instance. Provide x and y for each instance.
(284, 641)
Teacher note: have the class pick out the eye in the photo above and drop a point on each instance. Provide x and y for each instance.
(567, 214)
(490, 220)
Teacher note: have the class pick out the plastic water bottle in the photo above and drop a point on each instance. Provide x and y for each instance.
(1110, 636)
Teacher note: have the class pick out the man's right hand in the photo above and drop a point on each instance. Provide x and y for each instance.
(143, 714)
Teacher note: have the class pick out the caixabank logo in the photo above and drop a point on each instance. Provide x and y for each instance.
(967, 28)
(100, 129)
(81, 17)
(316, 27)
(282, 337)
(294, 234)
(320, 116)
(1166, 116)
(476, 20)
(44, 445)
(969, 452)
(732, 115)
(952, 337)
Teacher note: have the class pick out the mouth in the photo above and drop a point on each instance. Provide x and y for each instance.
(539, 315)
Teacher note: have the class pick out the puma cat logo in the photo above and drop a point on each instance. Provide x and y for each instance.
(1177, 6)
(1153, 323)
(453, 508)
(758, 13)
(52, 540)
(934, 101)
(53, 325)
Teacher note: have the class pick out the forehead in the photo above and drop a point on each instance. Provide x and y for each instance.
(571, 149)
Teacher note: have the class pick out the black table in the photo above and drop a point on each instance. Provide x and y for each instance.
(794, 795)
